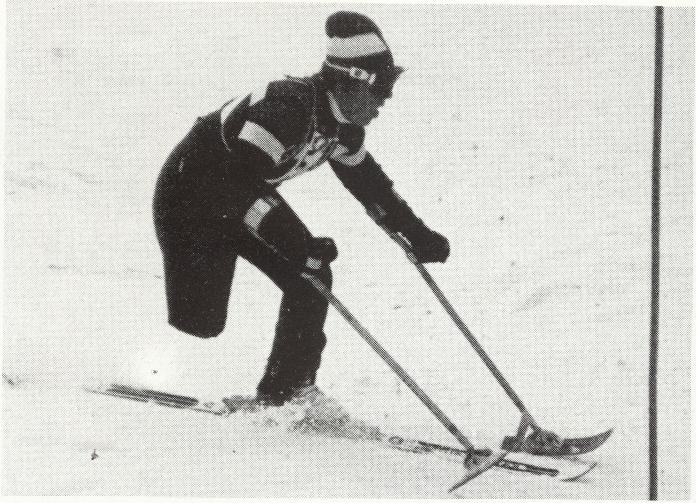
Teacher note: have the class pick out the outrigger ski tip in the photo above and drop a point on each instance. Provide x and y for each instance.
(566, 447)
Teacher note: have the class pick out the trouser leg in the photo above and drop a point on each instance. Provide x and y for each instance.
(198, 282)
(197, 208)
(299, 337)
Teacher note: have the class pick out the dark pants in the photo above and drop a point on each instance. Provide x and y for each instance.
(199, 205)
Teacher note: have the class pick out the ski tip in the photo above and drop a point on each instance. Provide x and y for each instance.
(590, 467)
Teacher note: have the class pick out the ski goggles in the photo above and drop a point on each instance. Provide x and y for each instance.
(381, 84)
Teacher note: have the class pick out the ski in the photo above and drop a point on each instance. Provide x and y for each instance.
(161, 398)
(558, 468)
(567, 447)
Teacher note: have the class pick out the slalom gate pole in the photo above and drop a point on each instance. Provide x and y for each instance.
(655, 259)
(527, 419)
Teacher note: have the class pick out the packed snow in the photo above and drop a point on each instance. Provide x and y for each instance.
(522, 133)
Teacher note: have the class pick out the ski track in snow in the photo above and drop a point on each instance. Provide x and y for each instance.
(544, 201)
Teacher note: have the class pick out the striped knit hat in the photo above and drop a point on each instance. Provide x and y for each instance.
(356, 47)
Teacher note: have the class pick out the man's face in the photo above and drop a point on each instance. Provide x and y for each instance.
(360, 103)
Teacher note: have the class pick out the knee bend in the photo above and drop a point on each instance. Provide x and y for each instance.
(272, 220)
(325, 275)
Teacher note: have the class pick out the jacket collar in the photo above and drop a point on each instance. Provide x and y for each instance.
(335, 109)
(328, 121)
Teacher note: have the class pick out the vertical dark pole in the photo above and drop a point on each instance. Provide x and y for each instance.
(655, 294)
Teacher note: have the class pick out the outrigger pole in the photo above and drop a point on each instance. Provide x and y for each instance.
(477, 461)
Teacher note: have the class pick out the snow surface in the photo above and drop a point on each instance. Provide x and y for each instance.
(522, 133)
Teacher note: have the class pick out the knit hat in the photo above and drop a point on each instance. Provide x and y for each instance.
(357, 48)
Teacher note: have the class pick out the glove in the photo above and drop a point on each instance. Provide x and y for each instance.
(426, 244)
(322, 251)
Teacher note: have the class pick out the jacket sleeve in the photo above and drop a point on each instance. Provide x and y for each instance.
(366, 181)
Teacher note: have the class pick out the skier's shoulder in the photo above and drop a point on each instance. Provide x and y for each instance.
(270, 102)
(296, 93)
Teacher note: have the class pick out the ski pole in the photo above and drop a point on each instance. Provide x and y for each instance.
(398, 369)
(401, 241)
(476, 461)
(377, 347)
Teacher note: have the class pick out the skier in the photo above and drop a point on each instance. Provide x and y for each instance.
(216, 198)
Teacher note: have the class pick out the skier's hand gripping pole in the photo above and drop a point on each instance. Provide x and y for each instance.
(422, 244)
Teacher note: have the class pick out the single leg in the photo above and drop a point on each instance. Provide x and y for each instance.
(299, 338)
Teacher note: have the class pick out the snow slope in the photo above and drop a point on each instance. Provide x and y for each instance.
(522, 133)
